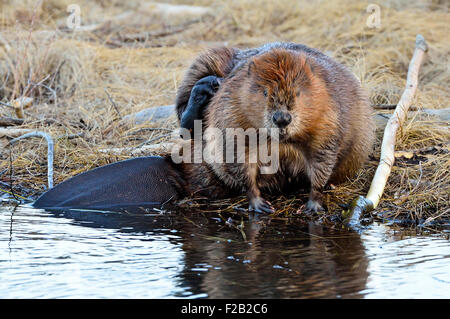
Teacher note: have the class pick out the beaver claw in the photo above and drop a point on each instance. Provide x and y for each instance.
(313, 206)
(260, 205)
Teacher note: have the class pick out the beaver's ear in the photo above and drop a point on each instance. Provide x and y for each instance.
(305, 70)
(308, 67)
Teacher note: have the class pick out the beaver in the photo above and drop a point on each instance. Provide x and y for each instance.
(318, 105)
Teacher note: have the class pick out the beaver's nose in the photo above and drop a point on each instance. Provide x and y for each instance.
(281, 119)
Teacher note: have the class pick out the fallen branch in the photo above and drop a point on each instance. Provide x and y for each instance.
(49, 152)
(160, 147)
(387, 158)
(10, 121)
(13, 132)
(153, 114)
(391, 107)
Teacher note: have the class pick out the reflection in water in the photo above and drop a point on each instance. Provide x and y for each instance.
(280, 260)
(96, 254)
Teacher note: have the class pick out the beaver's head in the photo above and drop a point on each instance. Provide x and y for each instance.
(281, 79)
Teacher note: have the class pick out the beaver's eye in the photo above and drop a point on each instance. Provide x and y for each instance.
(265, 92)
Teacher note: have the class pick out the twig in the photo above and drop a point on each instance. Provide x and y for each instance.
(70, 136)
(420, 177)
(151, 140)
(113, 103)
(7, 105)
(49, 151)
(149, 129)
(11, 174)
(387, 158)
(13, 194)
(391, 107)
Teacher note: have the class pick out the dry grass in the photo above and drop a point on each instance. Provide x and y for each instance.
(67, 74)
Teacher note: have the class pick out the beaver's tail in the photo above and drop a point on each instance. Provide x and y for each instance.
(139, 182)
(143, 181)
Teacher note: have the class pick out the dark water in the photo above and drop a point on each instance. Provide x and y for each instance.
(116, 255)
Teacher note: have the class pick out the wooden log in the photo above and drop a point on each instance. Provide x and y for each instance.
(13, 132)
(387, 157)
(441, 114)
(151, 114)
(10, 121)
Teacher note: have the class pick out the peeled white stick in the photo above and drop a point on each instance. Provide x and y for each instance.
(12, 132)
(387, 157)
(49, 152)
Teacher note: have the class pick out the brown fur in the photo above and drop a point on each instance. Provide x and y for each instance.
(331, 131)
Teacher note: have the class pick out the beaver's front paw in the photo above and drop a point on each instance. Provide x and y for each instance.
(204, 89)
(260, 205)
(313, 206)
(202, 92)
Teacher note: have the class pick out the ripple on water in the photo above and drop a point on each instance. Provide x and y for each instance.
(414, 267)
(48, 257)
(111, 255)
